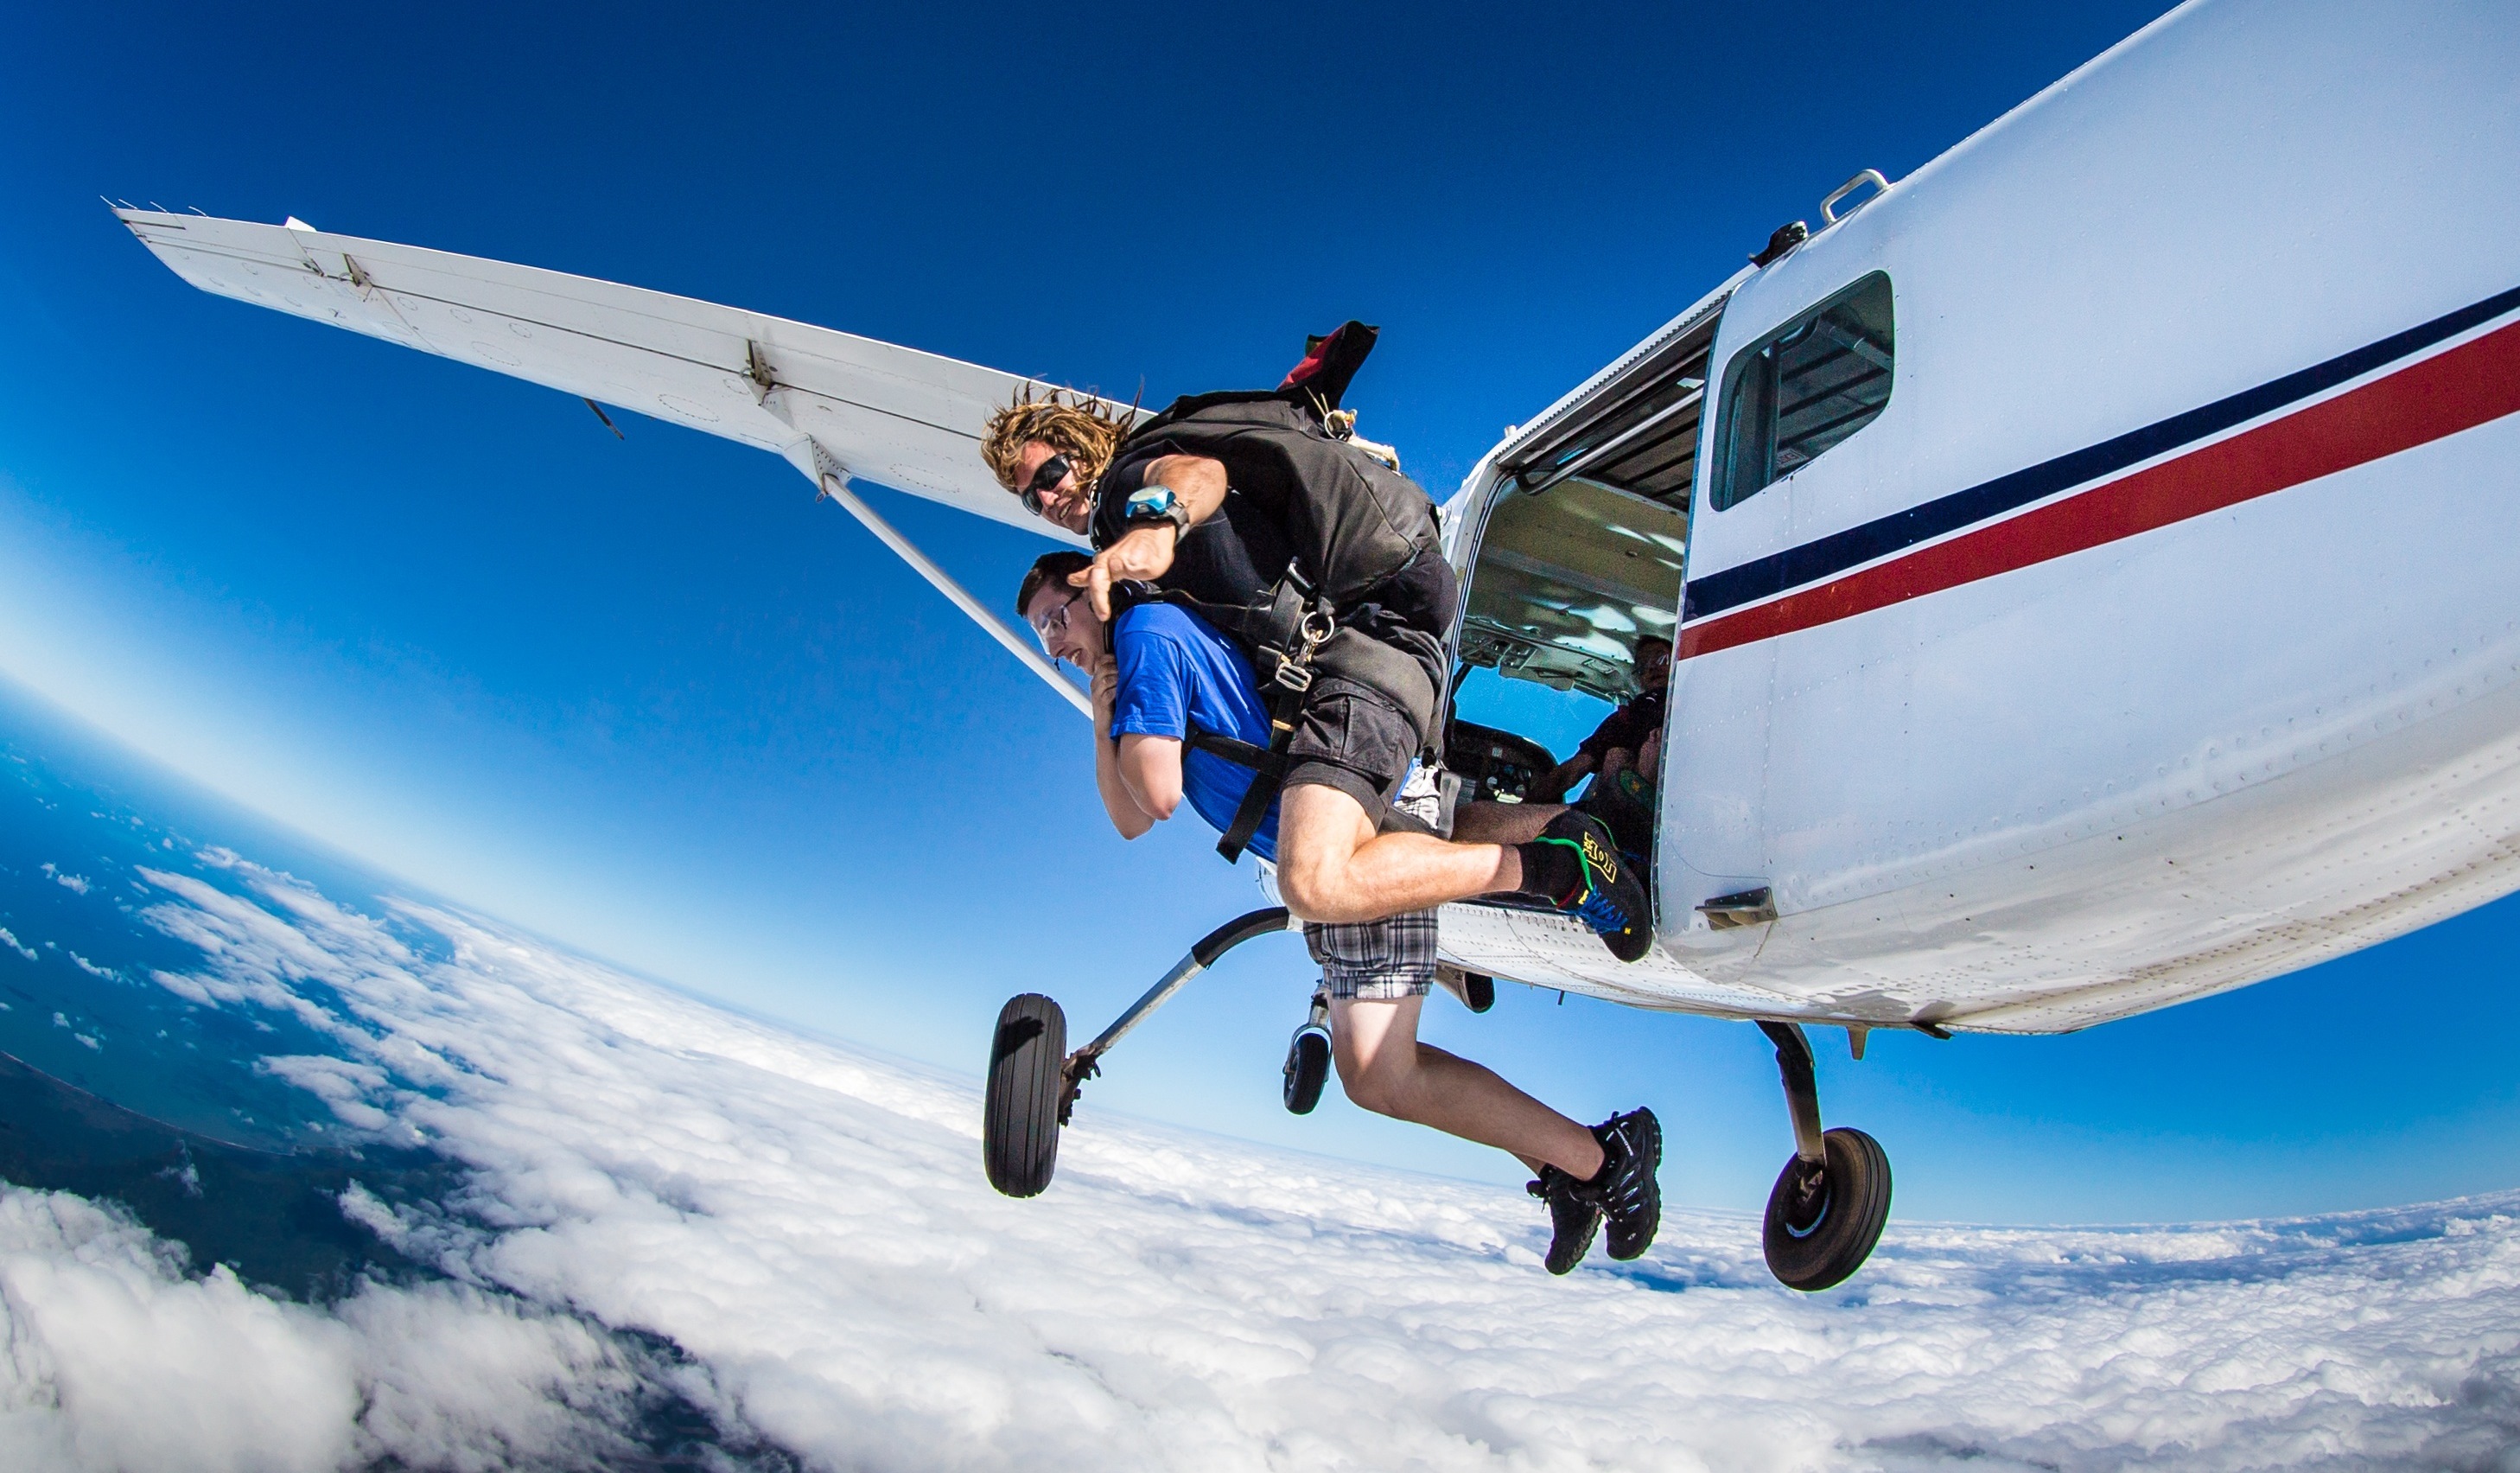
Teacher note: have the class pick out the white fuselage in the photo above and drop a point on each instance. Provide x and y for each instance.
(2128, 656)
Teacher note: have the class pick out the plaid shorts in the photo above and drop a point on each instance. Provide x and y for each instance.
(1376, 961)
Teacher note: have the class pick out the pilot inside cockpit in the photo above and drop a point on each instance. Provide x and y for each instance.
(1629, 740)
(1623, 755)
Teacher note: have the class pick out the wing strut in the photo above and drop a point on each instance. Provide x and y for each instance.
(835, 484)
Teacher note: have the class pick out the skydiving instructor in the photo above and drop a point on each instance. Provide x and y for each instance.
(1160, 672)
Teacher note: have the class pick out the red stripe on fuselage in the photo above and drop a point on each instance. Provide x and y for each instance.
(2467, 386)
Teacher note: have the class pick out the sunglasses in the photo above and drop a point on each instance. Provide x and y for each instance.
(1045, 481)
(1055, 622)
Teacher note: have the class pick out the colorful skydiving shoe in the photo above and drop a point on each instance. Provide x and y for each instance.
(1576, 866)
(1631, 1197)
(1574, 1215)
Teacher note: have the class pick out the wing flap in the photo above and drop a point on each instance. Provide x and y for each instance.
(891, 415)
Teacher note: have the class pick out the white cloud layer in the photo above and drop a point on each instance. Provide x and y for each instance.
(809, 1227)
(118, 1360)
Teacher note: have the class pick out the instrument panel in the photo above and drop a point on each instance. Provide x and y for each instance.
(1497, 767)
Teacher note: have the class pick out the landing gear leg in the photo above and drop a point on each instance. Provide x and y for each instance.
(1308, 1057)
(1475, 990)
(1830, 1204)
(1033, 1082)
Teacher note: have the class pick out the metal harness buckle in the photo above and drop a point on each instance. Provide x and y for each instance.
(1296, 670)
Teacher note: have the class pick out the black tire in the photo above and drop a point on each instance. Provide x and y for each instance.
(1019, 1124)
(1837, 1233)
(1308, 1069)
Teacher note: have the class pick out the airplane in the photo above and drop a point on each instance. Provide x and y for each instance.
(2093, 559)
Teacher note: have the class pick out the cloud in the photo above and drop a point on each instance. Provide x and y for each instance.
(807, 1229)
(341, 1084)
(17, 946)
(118, 1358)
(123, 1363)
(77, 883)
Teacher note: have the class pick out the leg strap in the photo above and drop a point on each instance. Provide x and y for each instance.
(1268, 766)
(1300, 621)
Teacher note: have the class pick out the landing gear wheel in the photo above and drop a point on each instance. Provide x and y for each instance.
(1019, 1125)
(1308, 1069)
(1822, 1223)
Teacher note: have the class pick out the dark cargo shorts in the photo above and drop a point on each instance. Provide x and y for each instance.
(1352, 737)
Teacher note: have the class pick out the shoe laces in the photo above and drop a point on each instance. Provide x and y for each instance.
(1600, 912)
(1555, 1187)
(1623, 1186)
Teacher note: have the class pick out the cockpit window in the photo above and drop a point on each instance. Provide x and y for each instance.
(1795, 396)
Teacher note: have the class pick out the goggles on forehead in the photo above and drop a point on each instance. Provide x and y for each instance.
(1045, 481)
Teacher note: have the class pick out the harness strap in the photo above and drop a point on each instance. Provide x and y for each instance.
(1298, 621)
(1268, 766)
(1239, 752)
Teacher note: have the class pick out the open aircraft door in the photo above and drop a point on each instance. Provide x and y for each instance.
(1576, 535)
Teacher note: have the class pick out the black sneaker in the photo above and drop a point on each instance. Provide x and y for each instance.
(1631, 1198)
(1574, 1215)
(1604, 892)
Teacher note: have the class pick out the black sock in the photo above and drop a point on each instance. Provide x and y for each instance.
(1552, 871)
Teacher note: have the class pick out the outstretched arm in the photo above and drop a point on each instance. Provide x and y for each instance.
(1552, 788)
(1147, 552)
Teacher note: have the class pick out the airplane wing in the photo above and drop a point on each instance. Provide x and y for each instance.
(891, 415)
(838, 408)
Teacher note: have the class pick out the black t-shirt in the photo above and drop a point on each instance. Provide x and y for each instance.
(1242, 550)
(1226, 559)
(1629, 726)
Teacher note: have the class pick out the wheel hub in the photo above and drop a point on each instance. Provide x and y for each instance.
(1807, 1199)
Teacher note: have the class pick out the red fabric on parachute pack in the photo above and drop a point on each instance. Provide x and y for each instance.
(1331, 361)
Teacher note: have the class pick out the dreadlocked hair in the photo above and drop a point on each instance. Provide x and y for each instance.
(1084, 428)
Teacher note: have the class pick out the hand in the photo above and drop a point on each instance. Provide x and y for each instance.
(1144, 552)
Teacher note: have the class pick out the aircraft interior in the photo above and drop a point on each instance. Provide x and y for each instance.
(1579, 559)
(1566, 585)
(1586, 532)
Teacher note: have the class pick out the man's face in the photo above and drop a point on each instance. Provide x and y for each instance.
(1653, 664)
(1066, 503)
(1064, 620)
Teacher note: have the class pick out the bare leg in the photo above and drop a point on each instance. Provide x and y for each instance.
(1385, 1068)
(1334, 867)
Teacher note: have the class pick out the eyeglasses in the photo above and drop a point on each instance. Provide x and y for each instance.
(1055, 622)
(1045, 481)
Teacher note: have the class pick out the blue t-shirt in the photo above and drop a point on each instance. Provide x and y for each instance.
(1176, 672)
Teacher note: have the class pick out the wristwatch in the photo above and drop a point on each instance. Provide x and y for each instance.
(1157, 503)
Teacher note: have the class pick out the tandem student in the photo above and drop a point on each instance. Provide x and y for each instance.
(1160, 672)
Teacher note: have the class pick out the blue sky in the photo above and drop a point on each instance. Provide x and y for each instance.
(647, 697)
